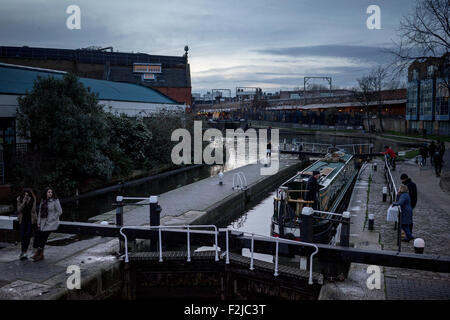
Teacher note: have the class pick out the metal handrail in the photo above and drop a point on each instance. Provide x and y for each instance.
(159, 228)
(277, 241)
(393, 194)
(240, 176)
(391, 182)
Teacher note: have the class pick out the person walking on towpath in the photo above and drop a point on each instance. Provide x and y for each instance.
(412, 188)
(437, 158)
(27, 217)
(431, 151)
(48, 221)
(423, 150)
(312, 187)
(404, 201)
(441, 150)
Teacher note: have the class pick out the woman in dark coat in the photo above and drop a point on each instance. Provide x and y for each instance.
(27, 217)
(404, 201)
(48, 221)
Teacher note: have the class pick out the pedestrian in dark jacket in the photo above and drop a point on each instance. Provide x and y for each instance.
(312, 186)
(48, 221)
(423, 150)
(441, 150)
(404, 201)
(27, 217)
(437, 163)
(412, 189)
(431, 151)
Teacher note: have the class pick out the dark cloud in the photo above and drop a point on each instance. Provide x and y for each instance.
(352, 52)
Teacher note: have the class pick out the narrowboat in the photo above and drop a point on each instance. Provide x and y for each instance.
(338, 171)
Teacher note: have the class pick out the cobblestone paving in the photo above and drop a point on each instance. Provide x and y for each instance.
(431, 223)
(401, 289)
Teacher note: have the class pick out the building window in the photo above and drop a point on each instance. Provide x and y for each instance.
(442, 95)
(411, 105)
(426, 94)
(430, 71)
(147, 68)
(444, 128)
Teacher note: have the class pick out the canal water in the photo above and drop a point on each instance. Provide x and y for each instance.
(257, 219)
(86, 208)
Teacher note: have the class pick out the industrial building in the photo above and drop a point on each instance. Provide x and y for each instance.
(117, 97)
(427, 109)
(169, 75)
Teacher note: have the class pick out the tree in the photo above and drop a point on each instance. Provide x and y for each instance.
(370, 90)
(129, 139)
(365, 95)
(378, 79)
(424, 34)
(68, 130)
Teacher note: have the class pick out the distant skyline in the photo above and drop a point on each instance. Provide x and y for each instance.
(263, 43)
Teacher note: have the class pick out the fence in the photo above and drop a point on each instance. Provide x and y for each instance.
(188, 230)
(392, 189)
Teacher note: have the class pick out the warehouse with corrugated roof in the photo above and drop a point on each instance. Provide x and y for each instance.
(128, 98)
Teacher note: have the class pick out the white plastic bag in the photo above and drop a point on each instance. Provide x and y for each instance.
(392, 214)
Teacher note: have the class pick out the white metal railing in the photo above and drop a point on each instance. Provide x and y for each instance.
(151, 199)
(241, 180)
(328, 213)
(393, 194)
(277, 241)
(352, 147)
(215, 232)
(315, 147)
(161, 228)
(391, 181)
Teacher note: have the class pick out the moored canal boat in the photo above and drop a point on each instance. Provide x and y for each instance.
(338, 170)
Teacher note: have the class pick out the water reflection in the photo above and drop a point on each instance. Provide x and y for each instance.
(83, 209)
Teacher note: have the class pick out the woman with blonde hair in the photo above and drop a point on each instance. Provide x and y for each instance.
(404, 201)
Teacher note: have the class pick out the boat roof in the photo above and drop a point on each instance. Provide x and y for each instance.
(328, 166)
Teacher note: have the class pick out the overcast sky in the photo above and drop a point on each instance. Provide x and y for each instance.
(264, 43)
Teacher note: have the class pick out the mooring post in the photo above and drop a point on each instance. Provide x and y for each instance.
(419, 245)
(155, 212)
(306, 234)
(119, 220)
(371, 221)
(345, 230)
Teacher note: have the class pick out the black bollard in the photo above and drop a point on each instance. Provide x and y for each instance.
(374, 167)
(385, 191)
(345, 230)
(419, 246)
(371, 221)
(155, 212)
(306, 217)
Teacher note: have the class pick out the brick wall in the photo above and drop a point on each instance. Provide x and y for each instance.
(182, 95)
